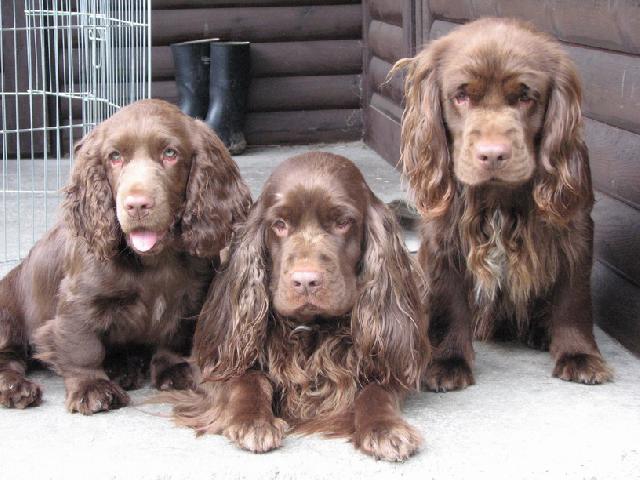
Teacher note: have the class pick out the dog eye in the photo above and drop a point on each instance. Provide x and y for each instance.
(525, 99)
(344, 224)
(115, 157)
(169, 155)
(461, 98)
(280, 227)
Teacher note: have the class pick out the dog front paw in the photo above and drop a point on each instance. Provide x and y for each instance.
(583, 368)
(258, 435)
(18, 392)
(391, 440)
(128, 367)
(178, 376)
(95, 395)
(444, 375)
(538, 339)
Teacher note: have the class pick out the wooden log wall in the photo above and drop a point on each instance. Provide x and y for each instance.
(388, 33)
(603, 38)
(306, 62)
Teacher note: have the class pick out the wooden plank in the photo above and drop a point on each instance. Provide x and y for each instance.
(611, 84)
(321, 57)
(616, 306)
(615, 161)
(387, 11)
(390, 88)
(272, 128)
(288, 93)
(366, 55)
(304, 93)
(617, 236)
(588, 22)
(387, 106)
(258, 24)
(176, 4)
(386, 41)
(423, 19)
(336, 57)
(382, 134)
(440, 28)
(409, 26)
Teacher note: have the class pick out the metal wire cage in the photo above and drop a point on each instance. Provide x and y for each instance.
(65, 65)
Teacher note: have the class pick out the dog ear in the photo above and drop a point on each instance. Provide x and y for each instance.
(424, 150)
(563, 185)
(231, 329)
(88, 206)
(217, 197)
(389, 322)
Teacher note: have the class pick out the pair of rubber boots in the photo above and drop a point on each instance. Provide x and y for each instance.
(213, 83)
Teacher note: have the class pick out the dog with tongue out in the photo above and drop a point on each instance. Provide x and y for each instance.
(152, 200)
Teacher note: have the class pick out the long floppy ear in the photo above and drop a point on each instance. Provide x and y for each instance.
(88, 207)
(424, 150)
(217, 197)
(231, 329)
(388, 322)
(564, 181)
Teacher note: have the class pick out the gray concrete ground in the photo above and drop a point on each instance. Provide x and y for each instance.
(516, 423)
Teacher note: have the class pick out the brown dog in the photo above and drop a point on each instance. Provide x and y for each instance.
(492, 146)
(316, 321)
(151, 202)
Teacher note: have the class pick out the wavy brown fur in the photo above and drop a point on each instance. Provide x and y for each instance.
(340, 367)
(506, 252)
(84, 289)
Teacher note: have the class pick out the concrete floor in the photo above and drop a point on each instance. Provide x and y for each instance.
(516, 423)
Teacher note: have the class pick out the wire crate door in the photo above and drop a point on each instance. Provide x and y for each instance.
(65, 66)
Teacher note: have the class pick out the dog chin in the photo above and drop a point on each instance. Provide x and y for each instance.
(492, 180)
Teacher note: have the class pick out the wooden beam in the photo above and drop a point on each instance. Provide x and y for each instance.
(273, 128)
(258, 24)
(386, 41)
(321, 57)
(615, 161)
(616, 306)
(288, 93)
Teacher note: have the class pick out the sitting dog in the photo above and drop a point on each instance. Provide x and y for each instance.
(493, 150)
(315, 322)
(151, 202)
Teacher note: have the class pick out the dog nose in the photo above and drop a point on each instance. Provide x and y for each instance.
(138, 206)
(493, 155)
(306, 282)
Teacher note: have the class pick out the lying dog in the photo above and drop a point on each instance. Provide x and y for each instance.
(315, 322)
(492, 147)
(151, 202)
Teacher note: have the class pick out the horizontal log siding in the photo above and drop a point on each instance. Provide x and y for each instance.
(388, 30)
(306, 62)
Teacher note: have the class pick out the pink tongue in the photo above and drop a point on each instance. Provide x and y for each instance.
(143, 240)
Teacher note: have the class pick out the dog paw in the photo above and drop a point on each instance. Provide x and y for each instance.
(538, 339)
(583, 368)
(390, 440)
(258, 435)
(18, 392)
(96, 395)
(447, 375)
(128, 369)
(178, 376)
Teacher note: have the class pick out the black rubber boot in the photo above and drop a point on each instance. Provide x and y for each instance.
(229, 78)
(191, 60)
